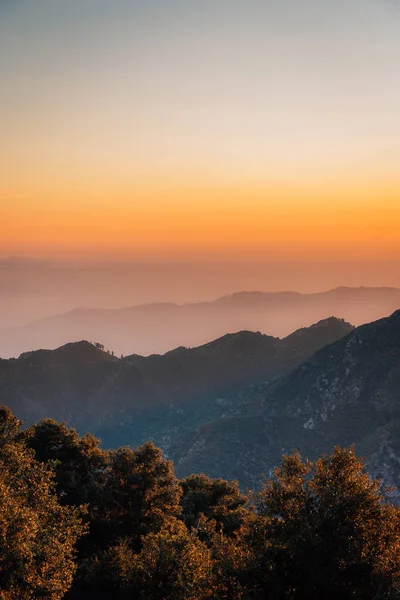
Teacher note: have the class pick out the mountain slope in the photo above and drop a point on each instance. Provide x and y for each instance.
(348, 392)
(71, 354)
(133, 399)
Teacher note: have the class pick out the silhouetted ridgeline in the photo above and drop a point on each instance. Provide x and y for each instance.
(161, 398)
(81, 523)
(157, 328)
(229, 408)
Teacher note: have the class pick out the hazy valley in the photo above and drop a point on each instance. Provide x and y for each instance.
(160, 327)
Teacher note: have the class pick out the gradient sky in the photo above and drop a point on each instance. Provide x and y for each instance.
(260, 129)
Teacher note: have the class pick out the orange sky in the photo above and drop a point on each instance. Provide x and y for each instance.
(229, 130)
(322, 221)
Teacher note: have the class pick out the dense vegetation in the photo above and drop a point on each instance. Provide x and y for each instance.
(78, 522)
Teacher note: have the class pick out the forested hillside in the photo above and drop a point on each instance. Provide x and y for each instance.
(81, 523)
(347, 392)
(132, 400)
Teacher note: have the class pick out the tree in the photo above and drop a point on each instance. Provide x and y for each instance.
(324, 530)
(78, 462)
(37, 535)
(139, 496)
(142, 493)
(173, 564)
(10, 426)
(216, 499)
(232, 557)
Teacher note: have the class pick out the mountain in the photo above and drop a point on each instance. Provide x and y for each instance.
(157, 328)
(347, 392)
(130, 400)
(72, 354)
(231, 407)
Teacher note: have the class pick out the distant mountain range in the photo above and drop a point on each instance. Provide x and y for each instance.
(231, 407)
(151, 328)
(130, 400)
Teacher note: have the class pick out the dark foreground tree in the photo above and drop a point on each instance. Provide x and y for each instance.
(325, 531)
(78, 462)
(10, 427)
(37, 535)
(216, 499)
(173, 564)
(140, 496)
(142, 493)
(315, 531)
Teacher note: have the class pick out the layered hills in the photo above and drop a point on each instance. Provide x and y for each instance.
(130, 400)
(231, 407)
(157, 328)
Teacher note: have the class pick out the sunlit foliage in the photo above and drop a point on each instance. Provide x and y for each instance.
(37, 535)
(86, 524)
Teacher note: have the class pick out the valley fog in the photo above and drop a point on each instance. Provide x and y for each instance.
(146, 308)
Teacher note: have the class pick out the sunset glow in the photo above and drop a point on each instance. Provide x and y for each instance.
(281, 223)
(200, 130)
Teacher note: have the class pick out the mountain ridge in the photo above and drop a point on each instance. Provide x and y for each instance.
(159, 327)
(345, 393)
(231, 407)
(131, 399)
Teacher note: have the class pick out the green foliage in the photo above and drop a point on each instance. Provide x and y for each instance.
(9, 426)
(314, 531)
(106, 574)
(232, 558)
(78, 462)
(140, 495)
(325, 531)
(216, 499)
(37, 535)
(173, 564)
(142, 492)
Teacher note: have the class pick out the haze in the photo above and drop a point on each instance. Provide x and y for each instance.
(127, 307)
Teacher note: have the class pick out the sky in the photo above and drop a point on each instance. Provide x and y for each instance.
(188, 130)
